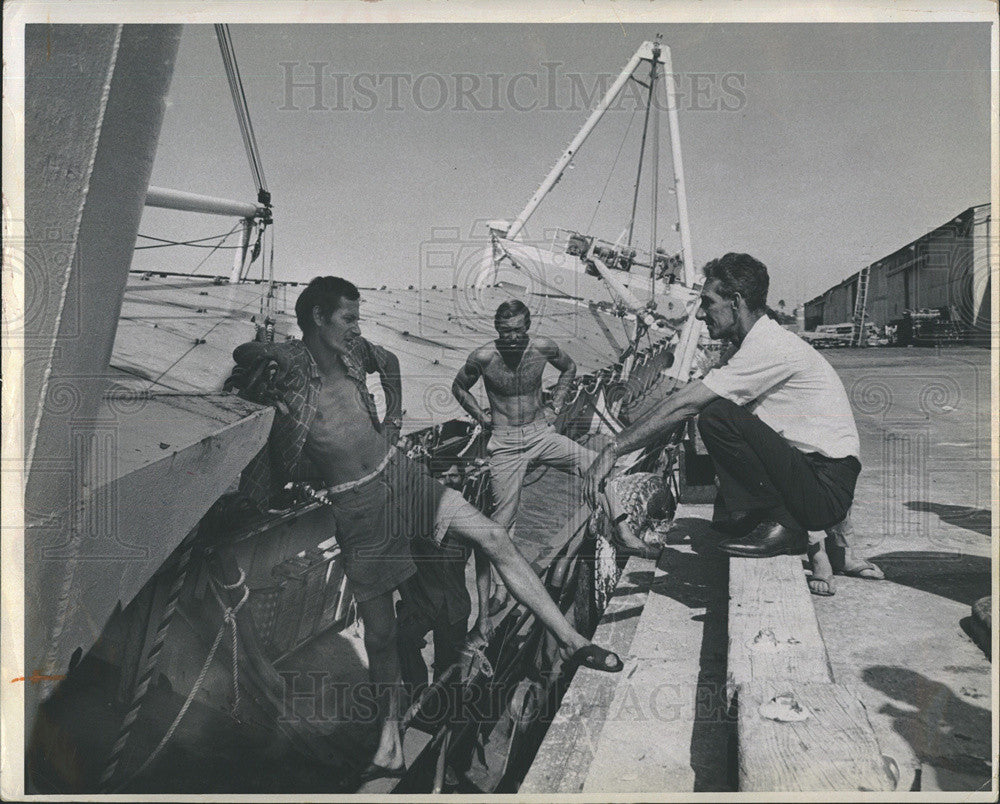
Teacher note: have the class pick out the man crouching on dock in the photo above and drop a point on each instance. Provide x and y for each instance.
(775, 419)
(381, 500)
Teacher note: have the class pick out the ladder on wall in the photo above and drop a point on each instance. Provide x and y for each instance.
(860, 305)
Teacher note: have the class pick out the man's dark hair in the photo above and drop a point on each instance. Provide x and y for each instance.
(740, 273)
(510, 309)
(326, 293)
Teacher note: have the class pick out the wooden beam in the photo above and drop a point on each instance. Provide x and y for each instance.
(797, 730)
(832, 746)
(671, 688)
(773, 633)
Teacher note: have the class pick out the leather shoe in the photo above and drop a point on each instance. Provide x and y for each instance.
(768, 539)
(733, 529)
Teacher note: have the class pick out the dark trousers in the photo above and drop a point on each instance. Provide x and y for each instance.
(760, 472)
(448, 641)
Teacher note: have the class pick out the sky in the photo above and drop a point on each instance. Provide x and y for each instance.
(818, 148)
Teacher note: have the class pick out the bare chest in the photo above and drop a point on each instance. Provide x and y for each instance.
(339, 408)
(524, 378)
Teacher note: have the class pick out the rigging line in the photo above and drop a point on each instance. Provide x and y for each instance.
(216, 248)
(188, 245)
(656, 189)
(179, 242)
(228, 57)
(611, 172)
(642, 147)
(240, 102)
(197, 343)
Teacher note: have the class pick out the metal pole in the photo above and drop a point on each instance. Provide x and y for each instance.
(192, 202)
(241, 252)
(644, 52)
(675, 145)
(642, 145)
(655, 201)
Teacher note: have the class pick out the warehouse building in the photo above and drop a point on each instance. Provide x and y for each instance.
(946, 269)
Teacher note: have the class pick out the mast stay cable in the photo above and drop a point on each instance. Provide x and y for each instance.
(240, 102)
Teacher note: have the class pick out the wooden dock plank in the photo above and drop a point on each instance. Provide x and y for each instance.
(659, 725)
(832, 748)
(567, 750)
(812, 734)
(667, 728)
(773, 633)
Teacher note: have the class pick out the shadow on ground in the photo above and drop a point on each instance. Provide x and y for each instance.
(960, 577)
(974, 519)
(939, 726)
(698, 582)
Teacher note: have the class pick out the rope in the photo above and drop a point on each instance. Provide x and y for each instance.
(472, 439)
(228, 620)
(240, 103)
(216, 248)
(199, 243)
(621, 146)
(142, 688)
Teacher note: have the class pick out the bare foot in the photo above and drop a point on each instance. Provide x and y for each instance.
(821, 580)
(389, 755)
(844, 562)
(860, 568)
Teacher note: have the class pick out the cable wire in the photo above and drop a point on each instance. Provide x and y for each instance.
(216, 248)
(163, 242)
(240, 102)
(621, 146)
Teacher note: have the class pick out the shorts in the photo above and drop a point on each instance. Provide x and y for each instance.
(376, 520)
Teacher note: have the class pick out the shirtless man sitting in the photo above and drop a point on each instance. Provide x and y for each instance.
(511, 368)
(380, 500)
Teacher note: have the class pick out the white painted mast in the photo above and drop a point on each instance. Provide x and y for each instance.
(645, 52)
(690, 273)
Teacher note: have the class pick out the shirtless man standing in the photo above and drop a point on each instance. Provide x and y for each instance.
(380, 501)
(511, 368)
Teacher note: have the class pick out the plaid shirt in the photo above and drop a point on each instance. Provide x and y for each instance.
(282, 459)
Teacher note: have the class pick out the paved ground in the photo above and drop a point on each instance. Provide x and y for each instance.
(922, 512)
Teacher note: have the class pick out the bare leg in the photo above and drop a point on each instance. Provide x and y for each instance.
(383, 669)
(839, 538)
(471, 526)
(821, 580)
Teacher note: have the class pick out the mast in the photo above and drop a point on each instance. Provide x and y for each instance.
(642, 144)
(645, 51)
(675, 145)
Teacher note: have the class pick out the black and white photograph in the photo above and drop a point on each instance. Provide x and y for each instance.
(590, 399)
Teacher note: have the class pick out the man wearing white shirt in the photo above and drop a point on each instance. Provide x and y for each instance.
(775, 419)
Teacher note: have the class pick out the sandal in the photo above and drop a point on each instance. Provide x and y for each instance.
(596, 658)
(868, 571)
(821, 587)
